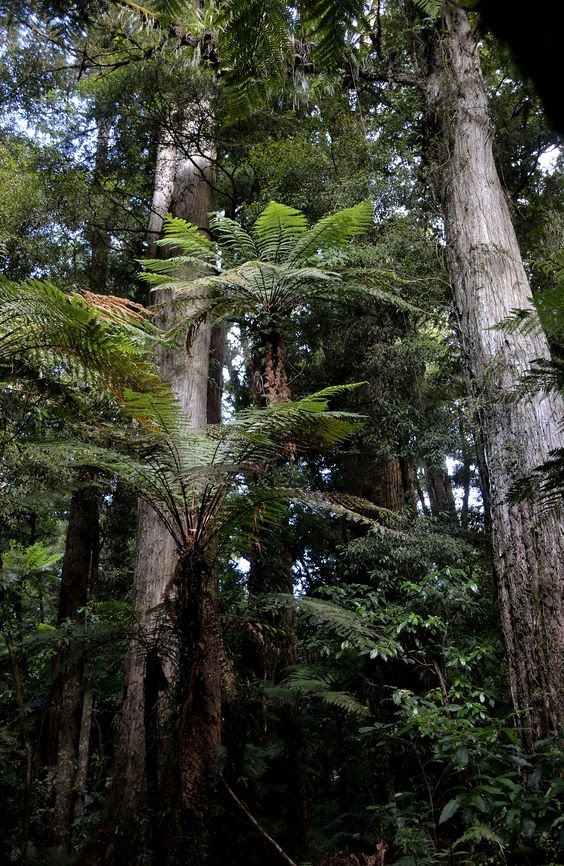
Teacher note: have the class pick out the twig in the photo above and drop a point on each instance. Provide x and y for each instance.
(256, 824)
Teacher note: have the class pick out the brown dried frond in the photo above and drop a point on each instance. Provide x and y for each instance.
(114, 309)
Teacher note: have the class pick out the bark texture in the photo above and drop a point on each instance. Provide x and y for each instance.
(163, 189)
(381, 481)
(140, 760)
(489, 281)
(269, 370)
(439, 488)
(64, 721)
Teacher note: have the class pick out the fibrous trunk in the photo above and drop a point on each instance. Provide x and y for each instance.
(489, 281)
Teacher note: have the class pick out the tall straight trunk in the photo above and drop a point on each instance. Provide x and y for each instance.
(66, 699)
(99, 233)
(488, 282)
(215, 380)
(466, 470)
(137, 789)
(198, 695)
(163, 188)
(439, 488)
(381, 481)
(65, 732)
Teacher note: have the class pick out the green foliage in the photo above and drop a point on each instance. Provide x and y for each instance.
(431, 8)
(42, 327)
(392, 722)
(289, 266)
(303, 683)
(328, 22)
(255, 45)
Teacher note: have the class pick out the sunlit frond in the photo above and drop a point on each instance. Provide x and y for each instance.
(333, 231)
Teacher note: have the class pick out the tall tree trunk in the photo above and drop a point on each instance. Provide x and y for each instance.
(137, 787)
(163, 189)
(439, 488)
(466, 470)
(99, 232)
(384, 481)
(215, 380)
(489, 281)
(199, 698)
(65, 732)
(66, 699)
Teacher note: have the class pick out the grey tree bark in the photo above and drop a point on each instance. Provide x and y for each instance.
(488, 282)
(148, 672)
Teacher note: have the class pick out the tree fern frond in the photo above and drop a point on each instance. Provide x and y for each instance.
(276, 231)
(543, 376)
(545, 485)
(233, 237)
(192, 245)
(305, 681)
(431, 8)
(67, 334)
(328, 21)
(157, 409)
(345, 702)
(332, 232)
(520, 321)
(339, 619)
(176, 267)
(255, 44)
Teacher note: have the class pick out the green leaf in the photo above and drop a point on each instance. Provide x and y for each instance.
(462, 756)
(450, 809)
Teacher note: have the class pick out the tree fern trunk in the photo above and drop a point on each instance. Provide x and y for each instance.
(489, 281)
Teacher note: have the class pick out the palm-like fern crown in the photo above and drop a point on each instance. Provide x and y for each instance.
(272, 269)
(201, 481)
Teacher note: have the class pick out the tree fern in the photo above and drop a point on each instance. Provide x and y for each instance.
(276, 231)
(278, 266)
(333, 232)
(303, 681)
(327, 23)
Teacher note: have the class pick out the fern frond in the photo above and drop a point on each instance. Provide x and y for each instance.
(192, 249)
(233, 237)
(328, 21)
(276, 231)
(344, 622)
(480, 833)
(520, 321)
(346, 703)
(332, 232)
(66, 334)
(545, 485)
(304, 681)
(255, 45)
(431, 8)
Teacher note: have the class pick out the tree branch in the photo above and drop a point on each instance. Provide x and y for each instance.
(256, 824)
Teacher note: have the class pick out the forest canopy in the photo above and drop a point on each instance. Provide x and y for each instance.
(282, 435)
